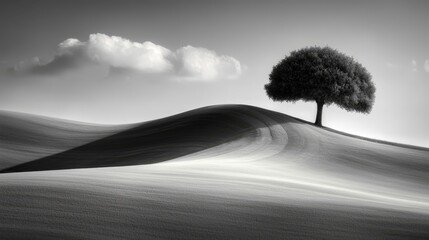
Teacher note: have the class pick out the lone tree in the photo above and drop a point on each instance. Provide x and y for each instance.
(323, 75)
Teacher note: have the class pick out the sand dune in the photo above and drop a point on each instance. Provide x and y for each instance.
(25, 137)
(156, 141)
(221, 172)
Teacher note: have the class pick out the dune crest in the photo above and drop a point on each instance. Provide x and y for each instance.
(164, 139)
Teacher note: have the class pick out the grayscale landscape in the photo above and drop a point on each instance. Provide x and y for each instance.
(226, 119)
(219, 172)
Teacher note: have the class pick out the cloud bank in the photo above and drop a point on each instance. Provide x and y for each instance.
(186, 63)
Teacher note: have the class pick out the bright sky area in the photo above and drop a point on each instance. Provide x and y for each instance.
(62, 59)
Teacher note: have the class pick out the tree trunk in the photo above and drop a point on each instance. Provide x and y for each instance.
(319, 113)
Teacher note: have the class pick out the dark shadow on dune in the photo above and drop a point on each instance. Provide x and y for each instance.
(161, 140)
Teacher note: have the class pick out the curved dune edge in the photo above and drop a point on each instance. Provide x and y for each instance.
(273, 176)
(26, 137)
(163, 139)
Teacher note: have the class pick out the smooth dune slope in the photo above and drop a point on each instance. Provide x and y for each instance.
(222, 172)
(156, 141)
(25, 137)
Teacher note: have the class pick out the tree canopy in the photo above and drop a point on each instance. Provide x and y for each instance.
(323, 75)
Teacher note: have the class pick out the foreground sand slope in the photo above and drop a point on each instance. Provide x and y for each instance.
(222, 172)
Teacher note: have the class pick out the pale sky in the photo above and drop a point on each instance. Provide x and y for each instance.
(133, 61)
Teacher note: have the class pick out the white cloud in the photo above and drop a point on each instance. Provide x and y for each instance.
(70, 46)
(122, 53)
(187, 63)
(426, 65)
(200, 63)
